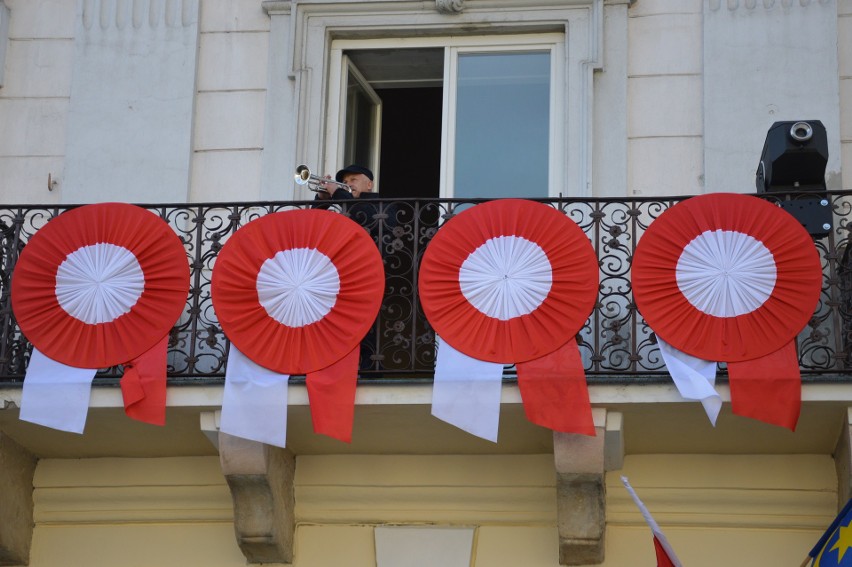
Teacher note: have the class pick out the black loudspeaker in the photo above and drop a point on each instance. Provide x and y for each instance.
(793, 160)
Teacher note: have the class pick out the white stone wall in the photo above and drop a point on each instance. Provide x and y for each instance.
(665, 101)
(665, 149)
(34, 99)
(230, 103)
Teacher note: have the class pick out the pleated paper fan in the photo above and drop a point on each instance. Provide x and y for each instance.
(296, 291)
(508, 280)
(100, 285)
(726, 277)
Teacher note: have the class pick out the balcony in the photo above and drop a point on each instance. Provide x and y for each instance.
(617, 345)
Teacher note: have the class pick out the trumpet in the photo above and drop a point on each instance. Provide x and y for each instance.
(304, 176)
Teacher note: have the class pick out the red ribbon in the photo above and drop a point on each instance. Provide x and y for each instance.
(554, 392)
(331, 393)
(143, 385)
(768, 388)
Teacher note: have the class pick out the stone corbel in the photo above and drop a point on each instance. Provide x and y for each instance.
(260, 478)
(843, 460)
(17, 467)
(581, 462)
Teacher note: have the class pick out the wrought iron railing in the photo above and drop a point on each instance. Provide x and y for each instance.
(616, 343)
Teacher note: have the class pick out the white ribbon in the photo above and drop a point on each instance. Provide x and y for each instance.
(254, 402)
(694, 378)
(56, 395)
(466, 391)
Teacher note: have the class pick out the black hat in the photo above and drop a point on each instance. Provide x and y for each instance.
(353, 169)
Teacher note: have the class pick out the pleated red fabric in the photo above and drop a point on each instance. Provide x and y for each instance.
(758, 343)
(540, 337)
(768, 388)
(556, 320)
(143, 385)
(69, 340)
(308, 348)
(744, 337)
(554, 392)
(331, 393)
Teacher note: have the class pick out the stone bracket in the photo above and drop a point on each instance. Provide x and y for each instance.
(581, 462)
(17, 467)
(260, 478)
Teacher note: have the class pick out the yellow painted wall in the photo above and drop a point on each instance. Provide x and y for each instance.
(715, 509)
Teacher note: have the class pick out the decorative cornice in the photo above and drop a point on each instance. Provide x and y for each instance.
(734, 5)
(138, 13)
(449, 6)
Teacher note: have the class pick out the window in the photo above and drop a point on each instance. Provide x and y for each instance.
(409, 53)
(474, 117)
(499, 125)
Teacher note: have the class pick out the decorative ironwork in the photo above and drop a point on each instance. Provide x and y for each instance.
(616, 343)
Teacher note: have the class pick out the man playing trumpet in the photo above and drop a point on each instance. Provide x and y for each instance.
(359, 180)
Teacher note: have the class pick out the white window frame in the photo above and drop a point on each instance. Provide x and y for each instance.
(338, 86)
(553, 43)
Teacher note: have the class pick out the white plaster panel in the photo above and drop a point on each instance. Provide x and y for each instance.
(228, 176)
(756, 74)
(23, 180)
(665, 44)
(844, 45)
(4, 38)
(846, 109)
(229, 120)
(132, 140)
(668, 167)
(664, 106)
(655, 7)
(423, 546)
(32, 127)
(609, 152)
(234, 15)
(42, 19)
(38, 68)
(232, 61)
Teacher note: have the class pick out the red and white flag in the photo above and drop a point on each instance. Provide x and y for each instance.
(665, 554)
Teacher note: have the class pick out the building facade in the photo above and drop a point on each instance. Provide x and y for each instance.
(204, 109)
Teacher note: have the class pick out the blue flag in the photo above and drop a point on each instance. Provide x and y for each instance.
(834, 549)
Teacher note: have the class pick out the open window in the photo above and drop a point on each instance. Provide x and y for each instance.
(464, 117)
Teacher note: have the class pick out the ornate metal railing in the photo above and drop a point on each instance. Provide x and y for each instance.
(616, 343)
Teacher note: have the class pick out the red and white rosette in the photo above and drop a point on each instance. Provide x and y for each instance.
(98, 286)
(733, 278)
(509, 282)
(295, 292)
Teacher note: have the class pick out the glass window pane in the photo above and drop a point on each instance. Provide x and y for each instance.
(360, 121)
(502, 125)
